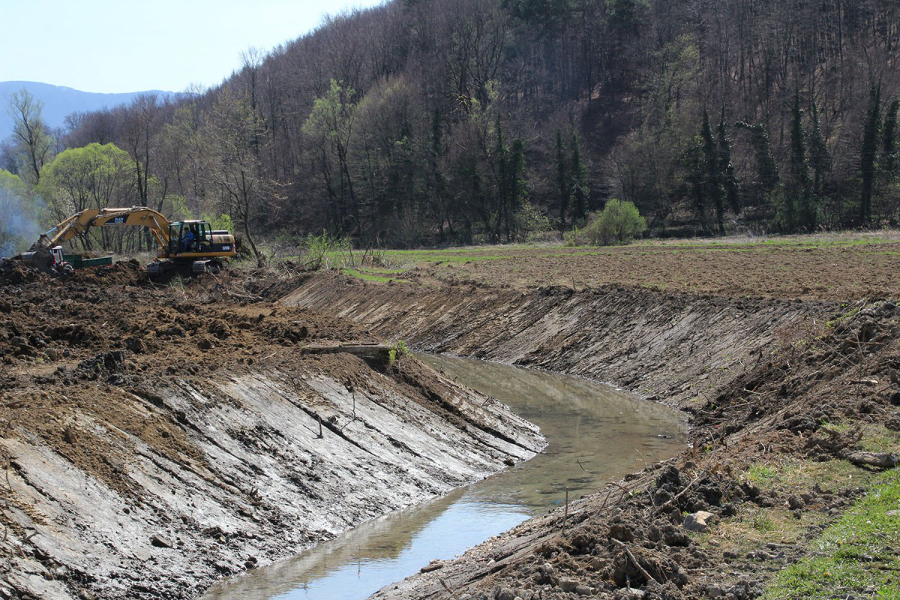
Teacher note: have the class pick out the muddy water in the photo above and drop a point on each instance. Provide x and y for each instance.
(596, 434)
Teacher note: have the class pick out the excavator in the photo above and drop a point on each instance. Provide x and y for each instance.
(188, 247)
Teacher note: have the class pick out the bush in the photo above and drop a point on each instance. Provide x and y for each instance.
(531, 223)
(618, 223)
(325, 251)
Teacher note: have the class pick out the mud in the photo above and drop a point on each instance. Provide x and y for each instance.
(155, 438)
(760, 377)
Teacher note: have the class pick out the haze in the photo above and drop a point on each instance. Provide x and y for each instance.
(113, 46)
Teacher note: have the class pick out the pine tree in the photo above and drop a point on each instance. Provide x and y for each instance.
(802, 209)
(562, 180)
(712, 184)
(869, 153)
(516, 183)
(580, 187)
(729, 177)
(696, 175)
(767, 170)
(501, 210)
(819, 156)
(889, 141)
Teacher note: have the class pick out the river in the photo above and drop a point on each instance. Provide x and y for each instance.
(596, 434)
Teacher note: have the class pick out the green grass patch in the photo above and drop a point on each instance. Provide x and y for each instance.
(379, 278)
(792, 475)
(761, 474)
(844, 317)
(860, 552)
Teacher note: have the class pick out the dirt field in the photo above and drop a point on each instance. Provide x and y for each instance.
(155, 438)
(824, 268)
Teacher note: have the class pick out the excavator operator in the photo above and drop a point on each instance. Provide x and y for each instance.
(187, 240)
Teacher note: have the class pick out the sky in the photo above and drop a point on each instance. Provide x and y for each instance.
(129, 46)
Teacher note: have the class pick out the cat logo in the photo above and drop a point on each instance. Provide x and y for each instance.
(115, 221)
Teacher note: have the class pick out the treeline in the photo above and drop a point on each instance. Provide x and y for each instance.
(457, 121)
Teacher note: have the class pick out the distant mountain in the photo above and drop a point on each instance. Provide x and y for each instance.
(59, 101)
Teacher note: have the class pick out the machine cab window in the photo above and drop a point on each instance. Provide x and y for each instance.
(189, 236)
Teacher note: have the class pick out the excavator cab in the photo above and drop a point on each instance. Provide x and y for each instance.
(189, 236)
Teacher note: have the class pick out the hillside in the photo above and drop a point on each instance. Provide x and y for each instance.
(492, 120)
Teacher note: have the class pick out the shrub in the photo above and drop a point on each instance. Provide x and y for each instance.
(397, 352)
(531, 223)
(323, 251)
(618, 223)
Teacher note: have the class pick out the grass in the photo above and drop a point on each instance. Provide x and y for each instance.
(369, 276)
(454, 255)
(858, 554)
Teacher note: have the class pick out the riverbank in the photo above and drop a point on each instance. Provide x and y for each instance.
(156, 438)
(793, 400)
(572, 412)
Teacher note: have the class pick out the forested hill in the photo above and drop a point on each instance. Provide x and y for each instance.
(434, 121)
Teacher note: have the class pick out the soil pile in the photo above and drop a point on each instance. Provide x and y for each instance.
(155, 438)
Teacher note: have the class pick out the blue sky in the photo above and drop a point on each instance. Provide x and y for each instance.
(127, 46)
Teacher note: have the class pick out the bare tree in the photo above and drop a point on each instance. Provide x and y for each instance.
(233, 126)
(30, 132)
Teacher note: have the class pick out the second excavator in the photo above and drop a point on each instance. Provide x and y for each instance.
(185, 246)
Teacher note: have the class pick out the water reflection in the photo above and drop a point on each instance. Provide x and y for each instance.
(596, 434)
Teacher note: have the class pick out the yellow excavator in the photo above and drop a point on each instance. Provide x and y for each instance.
(185, 246)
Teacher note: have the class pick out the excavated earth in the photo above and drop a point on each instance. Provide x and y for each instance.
(155, 438)
(766, 380)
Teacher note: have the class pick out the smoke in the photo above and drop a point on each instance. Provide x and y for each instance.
(19, 227)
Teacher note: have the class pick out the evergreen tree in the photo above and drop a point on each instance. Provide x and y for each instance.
(696, 175)
(802, 209)
(562, 180)
(516, 183)
(438, 181)
(869, 153)
(712, 183)
(580, 187)
(729, 178)
(511, 184)
(889, 140)
(819, 156)
(769, 179)
(501, 201)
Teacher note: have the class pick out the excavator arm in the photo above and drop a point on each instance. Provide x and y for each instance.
(79, 223)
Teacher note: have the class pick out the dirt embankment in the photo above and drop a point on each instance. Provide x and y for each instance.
(678, 348)
(786, 398)
(156, 438)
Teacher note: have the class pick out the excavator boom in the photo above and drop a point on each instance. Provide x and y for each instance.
(98, 217)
